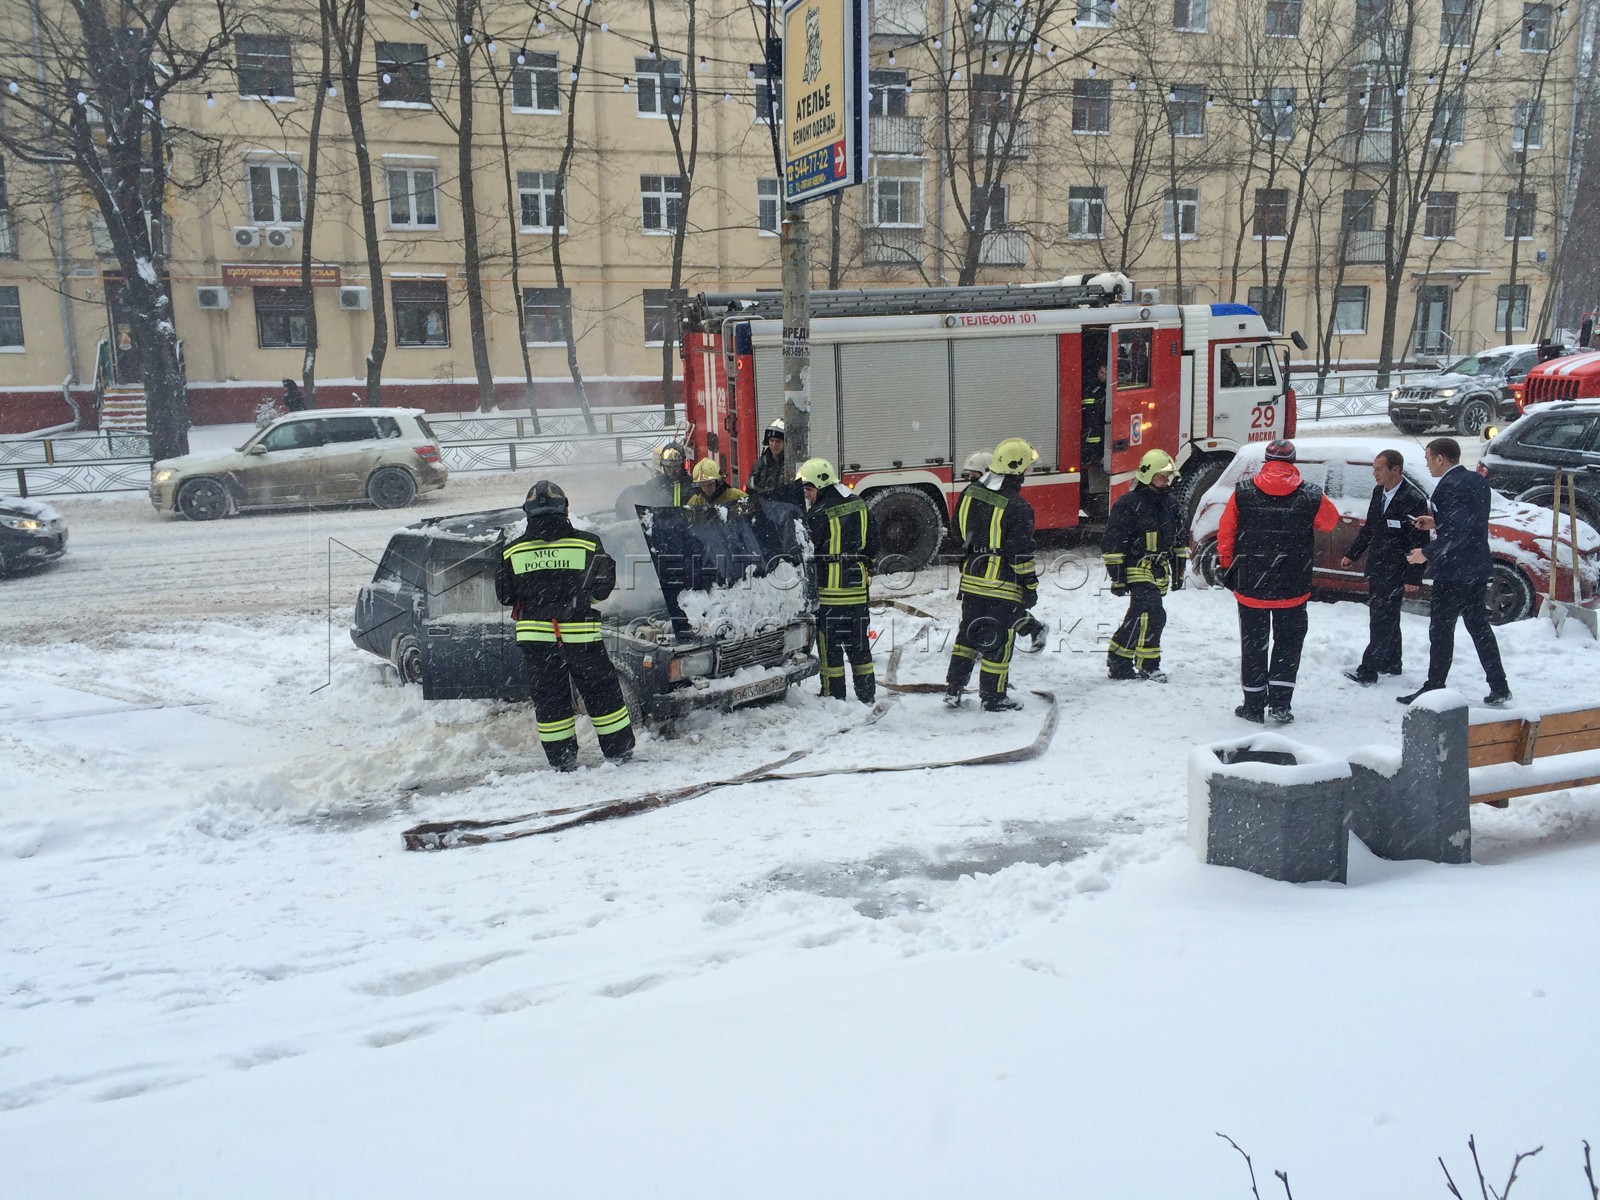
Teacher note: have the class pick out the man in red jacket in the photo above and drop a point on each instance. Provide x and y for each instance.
(1266, 544)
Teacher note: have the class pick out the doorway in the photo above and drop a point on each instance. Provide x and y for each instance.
(1433, 320)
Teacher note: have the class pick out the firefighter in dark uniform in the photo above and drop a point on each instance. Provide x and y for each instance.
(552, 575)
(671, 487)
(843, 550)
(770, 478)
(999, 581)
(1145, 553)
(711, 487)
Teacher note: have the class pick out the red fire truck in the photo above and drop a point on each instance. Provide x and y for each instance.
(1575, 377)
(906, 383)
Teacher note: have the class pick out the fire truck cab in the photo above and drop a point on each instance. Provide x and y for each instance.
(1573, 377)
(906, 383)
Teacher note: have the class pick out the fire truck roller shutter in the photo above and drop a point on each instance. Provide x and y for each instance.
(1007, 387)
(894, 404)
(824, 397)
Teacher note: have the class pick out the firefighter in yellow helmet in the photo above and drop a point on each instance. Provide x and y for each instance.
(551, 576)
(712, 486)
(1145, 549)
(844, 548)
(999, 581)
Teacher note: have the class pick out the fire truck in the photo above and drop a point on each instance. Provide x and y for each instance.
(1574, 377)
(906, 383)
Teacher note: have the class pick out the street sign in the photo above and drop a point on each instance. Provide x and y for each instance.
(824, 97)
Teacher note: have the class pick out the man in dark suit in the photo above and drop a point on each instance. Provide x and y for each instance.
(1460, 565)
(1384, 541)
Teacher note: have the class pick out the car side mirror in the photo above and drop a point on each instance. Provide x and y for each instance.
(258, 448)
(1299, 342)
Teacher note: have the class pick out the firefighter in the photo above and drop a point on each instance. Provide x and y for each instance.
(1027, 626)
(1094, 419)
(1145, 553)
(671, 486)
(768, 477)
(552, 575)
(976, 466)
(713, 486)
(999, 582)
(843, 550)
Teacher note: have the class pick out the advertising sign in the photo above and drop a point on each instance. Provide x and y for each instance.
(824, 97)
(276, 275)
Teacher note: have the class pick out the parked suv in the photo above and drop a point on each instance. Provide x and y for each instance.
(329, 456)
(1521, 461)
(1467, 395)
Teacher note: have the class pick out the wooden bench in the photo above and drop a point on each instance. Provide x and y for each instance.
(1521, 741)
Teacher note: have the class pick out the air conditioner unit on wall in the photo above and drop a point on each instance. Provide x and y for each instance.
(211, 299)
(1149, 295)
(354, 298)
(246, 237)
(279, 239)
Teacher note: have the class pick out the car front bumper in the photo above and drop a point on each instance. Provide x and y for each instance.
(24, 549)
(724, 695)
(1426, 412)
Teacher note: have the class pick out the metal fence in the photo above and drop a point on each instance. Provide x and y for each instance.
(75, 464)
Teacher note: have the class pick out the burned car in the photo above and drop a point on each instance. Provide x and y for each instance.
(709, 609)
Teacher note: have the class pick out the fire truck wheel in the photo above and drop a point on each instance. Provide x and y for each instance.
(1196, 481)
(909, 526)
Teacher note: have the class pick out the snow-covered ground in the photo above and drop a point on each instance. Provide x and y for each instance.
(223, 977)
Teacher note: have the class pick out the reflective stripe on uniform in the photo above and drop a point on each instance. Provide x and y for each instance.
(568, 632)
(558, 731)
(559, 554)
(612, 722)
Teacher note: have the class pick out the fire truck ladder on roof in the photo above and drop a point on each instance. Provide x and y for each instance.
(899, 302)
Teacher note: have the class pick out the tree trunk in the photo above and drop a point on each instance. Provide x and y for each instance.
(351, 47)
(469, 210)
(308, 369)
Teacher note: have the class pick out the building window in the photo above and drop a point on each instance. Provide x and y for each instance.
(1511, 303)
(1360, 211)
(661, 307)
(534, 88)
(280, 317)
(896, 192)
(1180, 214)
(275, 194)
(768, 206)
(1449, 122)
(1269, 303)
(1536, 28)
(1520, 207)
(889, 91)
(412, 203)
(898, 18)
(545, 313)
(539, 207)
(403, 73)
(990, 206)
(1091, 106)
(991, 98)
(264, 65)
(10, 318)
(1439, 218)
(1371, 17)
(1283, 18)
(1191, 16)
(1369, 109)
(660, 83)
(996, 22)
(1277, 114)
(1094, 12)
(1188, 294)
(1455, 22)
(660, 202)
(1350, 309)
(1186, 109)
(1086, 213)
(1272, 213)
(766, 101)
(8, 237)
(421, 312)
(1527, 125)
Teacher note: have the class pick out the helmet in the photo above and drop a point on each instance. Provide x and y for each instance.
(707, 469)
(1013, 457)
(670, 456)
(977, 462)
(1280, 449)
(818, 472)
(774, 429)
(1155, 462)
(545, 499)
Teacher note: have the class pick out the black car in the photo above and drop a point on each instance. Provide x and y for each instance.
(30, 534)
(708, 611)
(1522, 460)
(1465, 396)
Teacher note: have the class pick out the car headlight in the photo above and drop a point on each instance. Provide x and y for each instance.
(1443, 392)
(697, 662)
(25, 524)
(1394, 393)
(164, 476)
(796, 637)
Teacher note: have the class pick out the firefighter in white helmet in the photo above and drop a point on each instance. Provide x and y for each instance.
(671, 488)
(976, 466)
(843, 548)
(1145, 551)
(770, 477)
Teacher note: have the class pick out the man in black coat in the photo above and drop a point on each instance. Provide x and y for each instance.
(1384, 541)
(1460, 564)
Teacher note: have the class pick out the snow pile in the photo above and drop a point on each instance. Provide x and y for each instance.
(767, 601)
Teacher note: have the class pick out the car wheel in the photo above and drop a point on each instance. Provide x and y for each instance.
(1196, 482)
(1206, 562)
(4, 569)
(1545, 497)
(203, 500)
(1510, 595)
(909, 526)
(391, 487)
(1410, 428)
(408, 658)
(1474, 417)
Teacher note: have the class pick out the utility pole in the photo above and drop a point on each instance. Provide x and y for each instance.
(796, 335)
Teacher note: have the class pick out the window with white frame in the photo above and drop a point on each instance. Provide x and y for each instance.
(1283, 18)
(539, 207)
(1001, 21)
(1511, 304)
(1186, 109)
(769, 206)
(1191, 16)
(1180, 214)
(1536, 28)
(1527, 125)
(281, 316)
(264, 65)
(661, 308)
(1448, 125)
(1369, 109)
(1269, 303)
(8, 236)
(896, 192)
(1272, 213)
(1277, 114)
(10, 318)
(660, 202)
(991, 98)
(1360, 214)
(899, 18)
(1091, 106)
(274, 193)
(660, 86)
(1086, 212)
(989, 208)
(1093, 12)
(545, 314)
(1439, 216)
(1455, 22)
(412, 200)
(889, 91)
(766, 97)
(403, 74)
(534, 85)
(1350, 309)
(1520, 210)
(421, 312)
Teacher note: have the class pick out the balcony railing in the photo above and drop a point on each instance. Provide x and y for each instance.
(1016, 132)
(896, 135)
(1364, 246)
(891, 246)
(1004, 248)
(1367, 146)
